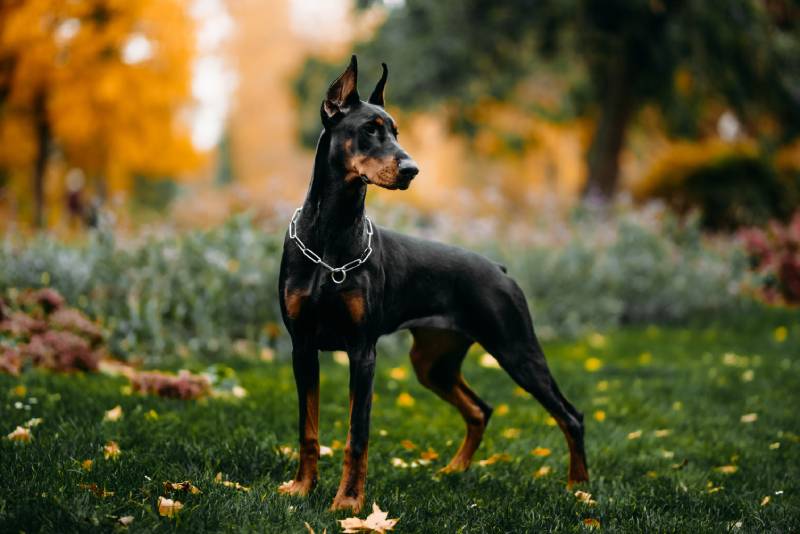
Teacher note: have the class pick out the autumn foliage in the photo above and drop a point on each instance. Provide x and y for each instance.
(96, 87)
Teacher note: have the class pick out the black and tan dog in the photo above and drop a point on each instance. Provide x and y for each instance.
(343, 285)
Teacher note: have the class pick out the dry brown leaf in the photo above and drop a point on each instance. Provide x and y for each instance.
(87, 465)
(21, 434)
(111, 450)
(168, 507)
(429, 455)
(591, 522)
(377, 521)
(408, 445)
(114, 414)
(186, 485)
(493, 459)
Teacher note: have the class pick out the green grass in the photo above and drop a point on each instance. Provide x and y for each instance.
(685, 386)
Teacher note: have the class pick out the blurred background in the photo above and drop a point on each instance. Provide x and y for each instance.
(631, 160)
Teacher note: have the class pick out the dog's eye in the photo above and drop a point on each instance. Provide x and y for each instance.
(370, 129)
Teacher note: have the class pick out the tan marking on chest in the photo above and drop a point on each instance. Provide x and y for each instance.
(354, 300)
(294, 302)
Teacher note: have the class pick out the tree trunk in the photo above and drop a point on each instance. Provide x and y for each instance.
(42, 128)
(616, 109)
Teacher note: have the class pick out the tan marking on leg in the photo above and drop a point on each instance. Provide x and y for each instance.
(354, 300)
(306, 477)
(577, 464)
(350, 495)
(294, 302)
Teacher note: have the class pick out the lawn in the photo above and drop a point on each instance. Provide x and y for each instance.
(669, 448)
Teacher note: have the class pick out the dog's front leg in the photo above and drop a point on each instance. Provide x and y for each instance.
(354, 474)
(305, 362)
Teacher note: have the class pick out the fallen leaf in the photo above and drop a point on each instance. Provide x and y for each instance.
(114, 414)
(585, 497)
(21, 434)
(502, 409)
(238, 392)
(111, 450)
(324, 450)
(780, 334)
(711, 488)
(87, 465)
(398, 373)
(775, 446)
(662, 433)
(597, 341)
(235, 485)
(636, 434)
(36, 421)
(599, 415)
(726, 469)
(748, 376)
(151, 415)
(125, 520)
(405, 400)
(511, 433)
(340, 357)
(429, 455)
(550, 421)
(602, 385)
(377, 521)
(488, 361)
(749, 418)
(399, 463)
(541, 451)
(593, 364)
(493, 459)
(168, 507)
(681, 465)
(591, 522)
(408, 445)
(182, 486)
(311, 530)
(289, 452)
(542, 471)
(336, 444)
(19, 391)
(645, 358)
(94, 488)
(519, 392)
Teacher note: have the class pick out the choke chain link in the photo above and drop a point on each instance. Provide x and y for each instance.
(314, 257)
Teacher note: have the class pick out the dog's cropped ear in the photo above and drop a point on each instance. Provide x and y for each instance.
(377, 94)
(342, 94)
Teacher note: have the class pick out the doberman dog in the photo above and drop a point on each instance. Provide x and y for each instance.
(343, 284)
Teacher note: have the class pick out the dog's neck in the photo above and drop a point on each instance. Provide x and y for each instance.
(332, 221)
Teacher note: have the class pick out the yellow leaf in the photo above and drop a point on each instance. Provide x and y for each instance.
(502, 409)
(111, 450)
(19, 391)
(336, 444)
(593, 364)
(511, 433)
(21, 434)
(585, 498)
(30, 423)
(488, 361)
(399, 463)
(493, 459)
(429, 455)
(645, 358)
(341, 358)
(377, 521)
(541, 451)
(602, 385)
(662, 433)
(151, 415)
(398, 373)
(775, 446)
(599, 415)
(87, 465)
(780, 334)
(636, 434)
(726, 469)
(749, 418)
(550, 421)
(405, 400)
(114, 414)
(182, 486)
(235, 485)
(542, 471)
(168, 507)
(765, 500)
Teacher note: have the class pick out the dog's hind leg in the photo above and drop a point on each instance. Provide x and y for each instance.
(528, 368)
(437, 355)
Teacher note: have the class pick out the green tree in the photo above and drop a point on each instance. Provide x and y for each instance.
(676, 54)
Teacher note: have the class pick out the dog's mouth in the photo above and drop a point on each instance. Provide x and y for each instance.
(397, 183)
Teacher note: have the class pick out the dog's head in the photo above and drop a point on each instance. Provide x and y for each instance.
(363, 135)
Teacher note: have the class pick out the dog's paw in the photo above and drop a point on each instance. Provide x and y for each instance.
(455, 466)
(344, 502)
(295, 487)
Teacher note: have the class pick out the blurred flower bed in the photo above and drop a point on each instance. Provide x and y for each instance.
(214, 292)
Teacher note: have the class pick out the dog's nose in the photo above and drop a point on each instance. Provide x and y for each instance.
(408, 169)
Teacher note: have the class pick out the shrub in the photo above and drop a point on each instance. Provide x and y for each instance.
(775, 257)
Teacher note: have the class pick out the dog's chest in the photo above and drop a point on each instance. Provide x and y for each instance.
(328, 314)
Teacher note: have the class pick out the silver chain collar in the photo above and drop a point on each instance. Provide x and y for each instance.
(313, 256)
